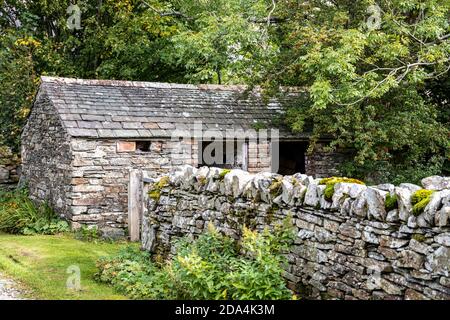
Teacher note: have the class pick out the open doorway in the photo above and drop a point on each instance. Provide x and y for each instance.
(226, 154)
(292, 157)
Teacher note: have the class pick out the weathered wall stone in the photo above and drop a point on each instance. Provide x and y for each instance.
(46, 157)
(339, 253)
(9, 168)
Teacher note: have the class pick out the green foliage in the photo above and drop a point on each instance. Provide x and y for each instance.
(20, 215)
(211, 267)
(390, 202)
(330, 182)
(419, 200)
(381, 93)
(87, 233)
(377, 92)
(221, 43)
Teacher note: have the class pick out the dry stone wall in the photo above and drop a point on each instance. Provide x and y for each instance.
(9, 169)
(350, 247)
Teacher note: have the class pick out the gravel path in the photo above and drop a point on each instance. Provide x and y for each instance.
(9, 290)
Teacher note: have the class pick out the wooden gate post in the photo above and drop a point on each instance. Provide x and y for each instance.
(135, 192)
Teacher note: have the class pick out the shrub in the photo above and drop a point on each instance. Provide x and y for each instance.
(20, 215)
(87, 233)
(330, 182)
(419, 200)
(211, 267)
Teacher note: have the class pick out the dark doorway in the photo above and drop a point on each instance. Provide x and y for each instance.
(292, 157)
(221, 154)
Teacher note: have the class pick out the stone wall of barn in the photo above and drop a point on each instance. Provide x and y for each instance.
(322, 163)
(46, 157)
(350, 247)
(9, 168)
(100, 177)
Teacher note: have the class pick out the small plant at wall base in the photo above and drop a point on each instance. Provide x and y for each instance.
(20, 215)
(87, 233)
(211, 267)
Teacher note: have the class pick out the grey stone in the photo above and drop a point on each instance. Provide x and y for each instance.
(404, 202)
(436, 183)
(442, 217)
(359, 206)
(311, 196)
(390, 288)
(410, 186)
(370, 237)
(419, 247)
(409, 259)
(391, 242)
(443, 239)
(411, 294)
(392, 216)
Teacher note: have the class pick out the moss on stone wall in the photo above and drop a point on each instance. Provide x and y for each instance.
(330, 182)
(391, 202)
(275, 188)
(155, 190)
(420, 200)
(223, 173)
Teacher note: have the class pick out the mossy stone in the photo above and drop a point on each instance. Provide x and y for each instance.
(391, 202)
(420, 200)
(330, 182)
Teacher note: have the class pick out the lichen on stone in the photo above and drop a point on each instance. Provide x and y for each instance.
(418, 237)
(155, 190)
(202, 180)
(275, 188)
(331, 181)
(420, 200)
(155, 194)
(163, 182)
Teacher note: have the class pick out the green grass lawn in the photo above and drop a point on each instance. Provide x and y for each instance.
(40, 263)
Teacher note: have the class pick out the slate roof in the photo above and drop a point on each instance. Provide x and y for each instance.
(128, 109)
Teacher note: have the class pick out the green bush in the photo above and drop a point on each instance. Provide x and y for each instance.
(212, 267)
(20, 215)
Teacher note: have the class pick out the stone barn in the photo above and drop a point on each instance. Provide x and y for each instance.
(84, 136)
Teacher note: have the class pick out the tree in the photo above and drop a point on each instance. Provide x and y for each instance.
(221, 41)
(117, 40)
(366, 65)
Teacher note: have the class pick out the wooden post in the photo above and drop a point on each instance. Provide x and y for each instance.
(135, 190)
(245, 155)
